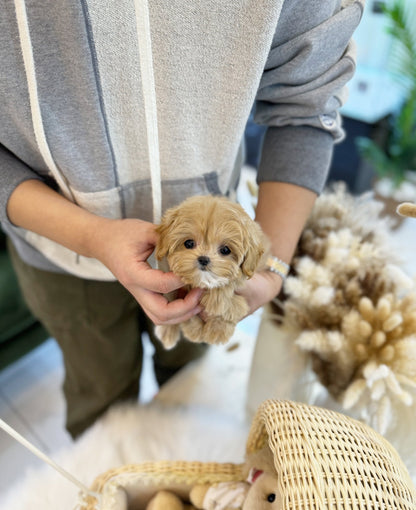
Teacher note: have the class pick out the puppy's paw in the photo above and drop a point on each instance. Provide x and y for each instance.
(168, 335)
(193, 328)
(217, 331)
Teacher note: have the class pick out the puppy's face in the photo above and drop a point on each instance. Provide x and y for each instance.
(210, 242)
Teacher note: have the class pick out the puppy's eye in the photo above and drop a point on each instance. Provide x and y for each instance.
(189, 244)
(224, 250)
(271, 498)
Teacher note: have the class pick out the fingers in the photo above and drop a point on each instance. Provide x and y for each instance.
(203, 315)
(161, 311)
(158, 281)
(259, 290)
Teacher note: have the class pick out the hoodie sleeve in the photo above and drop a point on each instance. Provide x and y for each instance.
(12, 172)
(303, 85)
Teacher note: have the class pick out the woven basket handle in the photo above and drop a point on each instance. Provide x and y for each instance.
(115, 498)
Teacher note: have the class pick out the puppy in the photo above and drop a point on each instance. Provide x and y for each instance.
(211, 243)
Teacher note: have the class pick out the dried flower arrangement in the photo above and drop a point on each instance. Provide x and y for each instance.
(353, 309)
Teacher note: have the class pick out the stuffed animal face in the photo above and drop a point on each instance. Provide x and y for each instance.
(259, 492)
(263, 494)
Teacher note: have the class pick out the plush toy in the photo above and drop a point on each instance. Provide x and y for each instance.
(166, 500)
(407, 209)
(258, 492)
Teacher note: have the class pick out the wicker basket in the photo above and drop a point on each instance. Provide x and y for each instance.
(131, 487)
(324, 461)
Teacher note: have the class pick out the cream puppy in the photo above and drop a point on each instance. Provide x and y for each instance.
(211, 243)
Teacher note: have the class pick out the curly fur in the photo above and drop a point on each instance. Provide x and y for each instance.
(211, 243)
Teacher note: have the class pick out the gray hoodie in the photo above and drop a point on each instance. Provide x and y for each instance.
(72, 88)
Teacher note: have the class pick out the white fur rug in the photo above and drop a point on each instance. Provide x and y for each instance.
(198, 415)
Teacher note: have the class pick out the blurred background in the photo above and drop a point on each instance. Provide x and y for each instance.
(380, 115)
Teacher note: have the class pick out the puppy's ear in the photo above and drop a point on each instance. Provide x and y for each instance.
(255, 248)
(165, 242)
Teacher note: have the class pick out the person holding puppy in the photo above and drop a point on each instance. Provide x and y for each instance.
(77, 191)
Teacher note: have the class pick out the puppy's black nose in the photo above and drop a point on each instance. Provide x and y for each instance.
(203, 261)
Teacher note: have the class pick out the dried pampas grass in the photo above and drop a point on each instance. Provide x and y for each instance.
(353, 309)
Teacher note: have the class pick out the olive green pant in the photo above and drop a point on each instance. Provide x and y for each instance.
(98, 326)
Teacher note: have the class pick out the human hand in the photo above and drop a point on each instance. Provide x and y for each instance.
(124, 247)
(260, 289)
(121, 245)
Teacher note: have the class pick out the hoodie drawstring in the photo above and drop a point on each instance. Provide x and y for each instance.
(149, 98)
(38, 127)
(148, 90)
